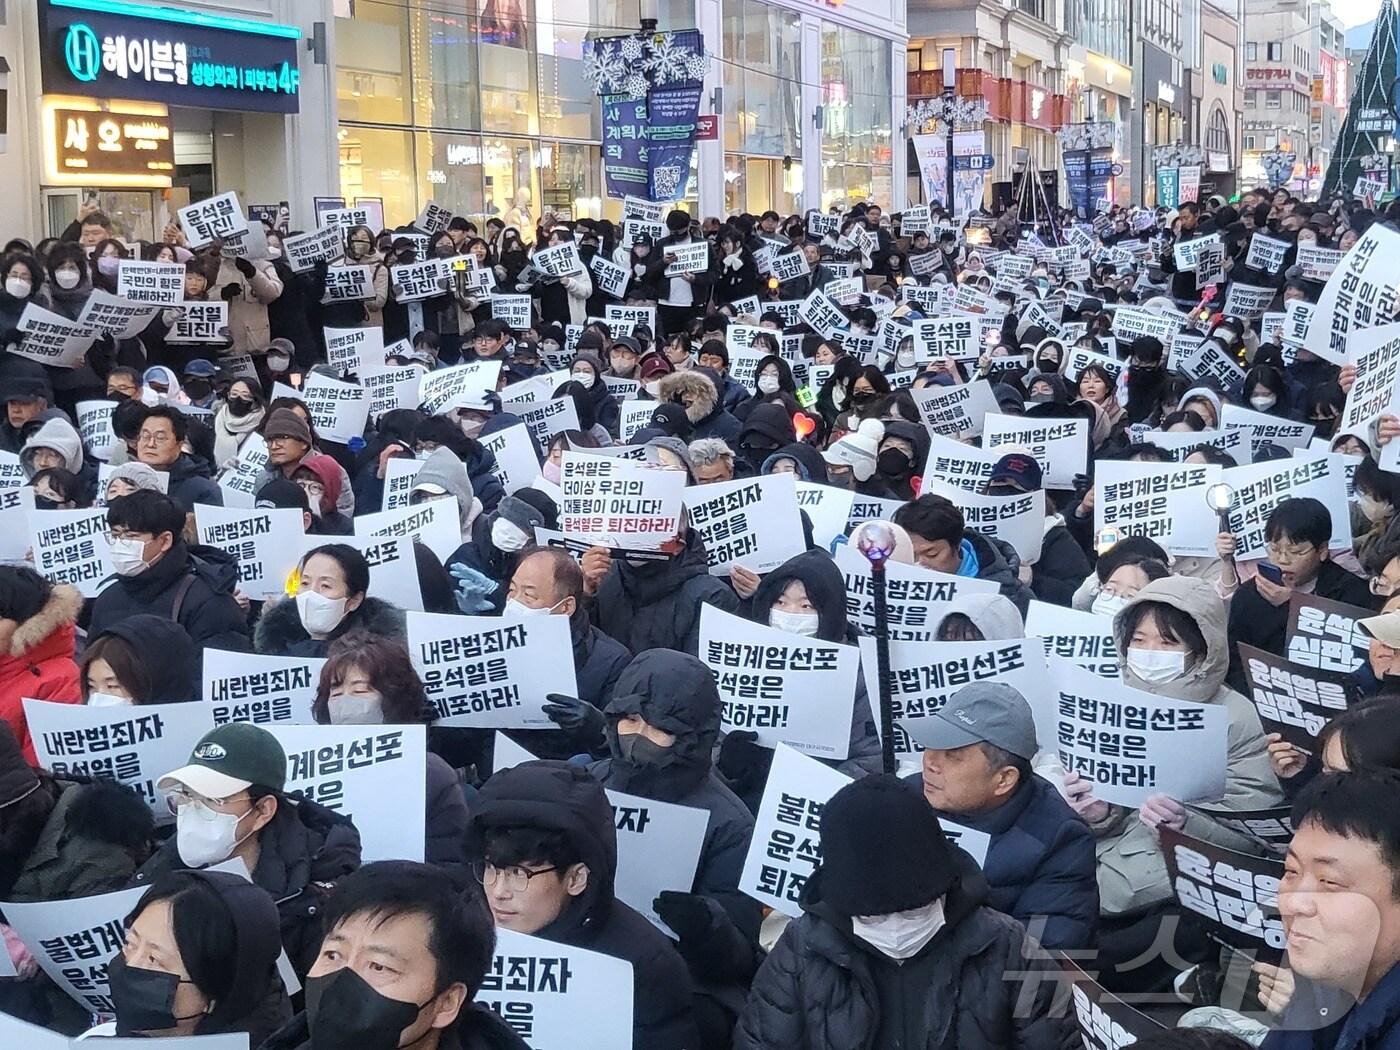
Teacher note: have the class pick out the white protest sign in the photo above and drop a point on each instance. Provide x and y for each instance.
(1080, 358)
(237, 482)
(786, 844)
(624, 320)
(658, 848)
(391, 388)
(434, 218)
(823, 313)
(956, 411)
(608, 276)
(939, 337)
(15, 507)
(511, 310)
(1018, 519)
(611, 502)
(1084, 638)
(305, 250)
(344, 218)
(1266, 253)
(357, 350)
(51, 339)
(158, 283)
(200, 322)
(753, 522)
(785, 688)
(544, 419)
(135, 746)
(489, 671)
(924, 677)
(687, 258)
(348, 284)
(399, 473)
(11, 472)
(1376, 354)
(246, 687)
(1317, 264)
(73, 940)
(1165, 502)
(915, 597)
(1361, 293)
(1260, 487)
(258, 539)
(633, 416)
(1129, 744)
(17, 1033)
(461, 386)
(1247, 301)
(561, 260)
(1129, 322)
(517, 462)
(435, 524)
(375, 775)
(215, 218)
(393, 566)
(71, 546)
(1060, 446)
(95, 426)
(827, 507)
(866, 508)
(339, 410)
(1264, 429)
(560, 995)
(416, 281)
(954, 463)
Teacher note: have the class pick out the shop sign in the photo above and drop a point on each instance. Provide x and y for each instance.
(706, 127)
(116, 49)
(93, 144)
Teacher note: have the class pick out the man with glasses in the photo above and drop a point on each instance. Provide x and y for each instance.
(1297, 534)
(160, 444)
(489, 341)
(228, 802)
(545, 849)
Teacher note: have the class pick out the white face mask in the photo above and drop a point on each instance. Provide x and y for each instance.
(278, 362)
(900, 934)
(507, 536)
(517, 608)
(1108, 604)
(587, 379)
(804, 624)
(1263, 404)
(129, 557)
(274, 253)
(68, 279)
(367, 710)
(654, 388)
(204, 837)
(768, 384)
(319, 614)
(1156, 666)
(1374, 510)
(905, 359)
(18, 287)
(107, 700)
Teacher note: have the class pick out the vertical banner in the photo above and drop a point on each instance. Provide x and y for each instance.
(969, 172)
(1076, 162)
(932, 154)
(1168, 187)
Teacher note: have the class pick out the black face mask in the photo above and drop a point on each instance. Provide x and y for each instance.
(644, 753)
(198, 389)
(343, 1010)
(863, 397)
(893, 463)
(145, 999)
(1324, 427)
(1047, 364)
(238, 407)
(40, 503)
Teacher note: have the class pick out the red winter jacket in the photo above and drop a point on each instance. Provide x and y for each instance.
(39, 663)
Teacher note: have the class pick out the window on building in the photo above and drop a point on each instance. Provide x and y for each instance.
(1249, 98)
(1251, 51)
(1249, 142)
(1218, 131)
(1273, 99)
(1275, 51)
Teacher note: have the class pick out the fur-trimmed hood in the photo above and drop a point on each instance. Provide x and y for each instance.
(61, 610)
(702, 392)
(280, 633)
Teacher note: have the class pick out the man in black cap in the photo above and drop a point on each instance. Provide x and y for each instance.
(622, 355)
(1061, 565)
(896, 946)
(977, 772)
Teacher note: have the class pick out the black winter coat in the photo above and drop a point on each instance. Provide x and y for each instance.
(207, 609)
(280, 633)
(998, 562)
(476, 1028)
(190, 483)
(821, 988)
(304, 850)
(656, 605)
(1061, 568)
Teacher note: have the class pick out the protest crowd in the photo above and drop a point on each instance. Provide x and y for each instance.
(826, 632)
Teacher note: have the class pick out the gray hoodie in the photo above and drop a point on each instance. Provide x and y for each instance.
(61, 436)
(445, 471)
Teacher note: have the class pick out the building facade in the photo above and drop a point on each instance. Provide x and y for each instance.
(1220, 97)
(1100, 79)
(1277, 86)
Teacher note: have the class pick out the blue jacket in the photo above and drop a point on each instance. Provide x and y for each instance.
(1372, 1024)
(1040, 864)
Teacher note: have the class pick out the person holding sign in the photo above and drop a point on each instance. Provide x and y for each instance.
(544, 846)
(403, 956)
(943, 542)
(158, 573)
(977, 772)
(327, 599)
(1062, 566)
(200, 958)
(249, 286)
(228, 802)
(897, 943)
(1171, 641)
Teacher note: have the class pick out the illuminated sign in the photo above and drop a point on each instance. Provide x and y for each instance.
(111, 48)
(119, 145)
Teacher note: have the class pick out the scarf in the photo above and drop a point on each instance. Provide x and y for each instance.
(230, 432)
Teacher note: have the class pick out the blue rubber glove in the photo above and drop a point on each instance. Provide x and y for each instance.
(474, 589)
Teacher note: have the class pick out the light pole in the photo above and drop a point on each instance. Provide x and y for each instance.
(951, 111)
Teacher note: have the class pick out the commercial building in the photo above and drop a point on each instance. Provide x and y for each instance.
(1218, 89)
(1099, 78)
(1278, 74)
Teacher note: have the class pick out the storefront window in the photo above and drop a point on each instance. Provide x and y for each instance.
(378, 162)
(372, 64)
(444, 66)
(856, 135)
(762, 86)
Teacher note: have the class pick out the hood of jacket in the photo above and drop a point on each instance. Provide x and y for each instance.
(997, 559)
(810, 465)
(771, 421)
(445, 470)
(189, 466)
(993, 614)
(327, 471)
(60, 435)
(650, 581)
(60, 610)
(257, 931)
(562, 797)
(279, 627)
(1198, 600)
(785, 381)
(165, 649)
(826, 589)
(915, 434)
(674, 692)
(704, 396)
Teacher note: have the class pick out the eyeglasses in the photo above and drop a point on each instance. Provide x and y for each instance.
(116, 535)
(516, 878)
(155, 437)
(1382, 588)
(1278, 553)
(181, 797)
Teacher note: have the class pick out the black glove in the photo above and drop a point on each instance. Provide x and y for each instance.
(690, 915)
(244, 267)
(744, 762)
(574, 715)
(231, 291)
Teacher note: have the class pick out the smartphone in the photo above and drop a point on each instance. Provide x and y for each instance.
(1271, 572)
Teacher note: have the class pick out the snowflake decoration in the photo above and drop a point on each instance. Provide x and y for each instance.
(667, 61)
(1374, 162)
(697, 65)
(635, 86)
(1278, 166)
(943, 111)
(1086, 136)
(604, 68)
(632, 48)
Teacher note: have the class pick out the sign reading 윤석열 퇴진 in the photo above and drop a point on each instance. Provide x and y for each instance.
(118, 49)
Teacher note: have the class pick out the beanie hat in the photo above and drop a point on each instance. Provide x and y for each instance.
(671, 419)
(858, 449)
(285, 423)
(883, 849)
(1021, 470)
(23, 592)
(279, 492)
(674, 445)
(524, 516)
(652, 365)
(138, 474)
(589, 340)
(536, 503)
